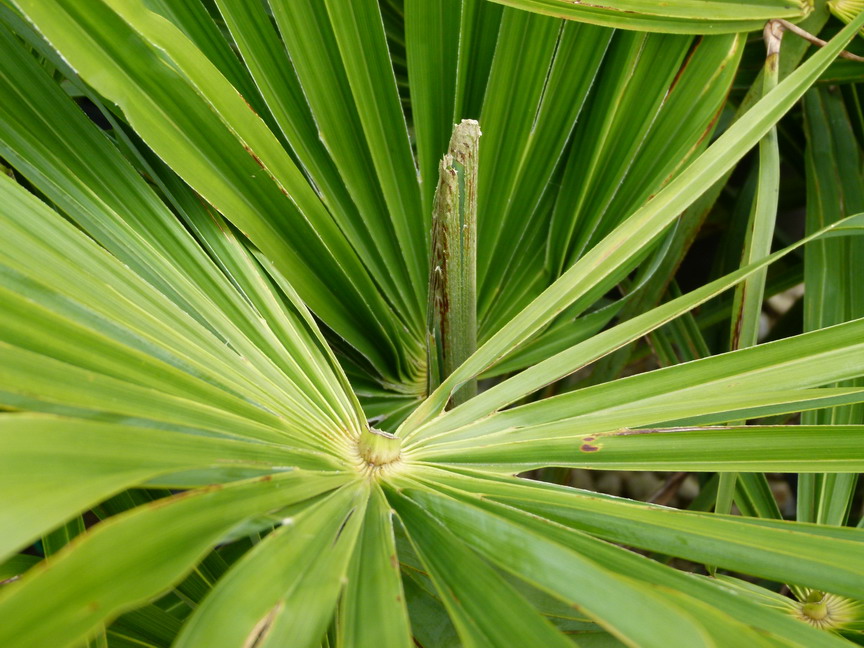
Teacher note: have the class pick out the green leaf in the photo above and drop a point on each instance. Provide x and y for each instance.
(432, 66)
(781, 448)
(731, 385)
(132, 340)
(12, 568)
(584, 281)
(373, 610)
(532, 103)
(484, 608)
(148, 626)
(201, 126)
(359, 34)
(584, 352)
(635, 91)
(80, 584)
(687, 16)
(633, 565)
(832, 289)
(264, 54)
(749, 295)
(825, 558)
(319, 42)
(55, 468)
(747, 306)
(37, 382)
(294, 592)
(162, 240)
(194, 20)
(634, 612)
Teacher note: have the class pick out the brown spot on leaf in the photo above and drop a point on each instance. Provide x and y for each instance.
(707, 130)
(248, 105)
(259, 632)
(254, 157)
(394, 561)
(629, 432)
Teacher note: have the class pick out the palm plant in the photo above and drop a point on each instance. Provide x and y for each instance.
(242, 403)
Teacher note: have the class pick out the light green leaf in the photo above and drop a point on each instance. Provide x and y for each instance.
(825, 558)
(687, 16)
(201, 126)
(781, 448)
(484, 608)
(634, 612)
(373, 610)
(633, 565)
(737, 383)
(55, 468)
(583, 353)
(294, 583)
(80, 584)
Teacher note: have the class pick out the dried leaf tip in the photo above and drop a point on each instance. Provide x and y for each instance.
(464, 140)
(451, 330)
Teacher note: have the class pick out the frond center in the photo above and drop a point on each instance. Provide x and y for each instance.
(828, 611)
(378, 450)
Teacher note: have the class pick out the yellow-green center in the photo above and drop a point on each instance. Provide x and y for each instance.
(378, 448)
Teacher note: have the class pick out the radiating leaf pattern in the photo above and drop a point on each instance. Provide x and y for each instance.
(214, 280)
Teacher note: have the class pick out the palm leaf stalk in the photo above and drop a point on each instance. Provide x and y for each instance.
(452, 308)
